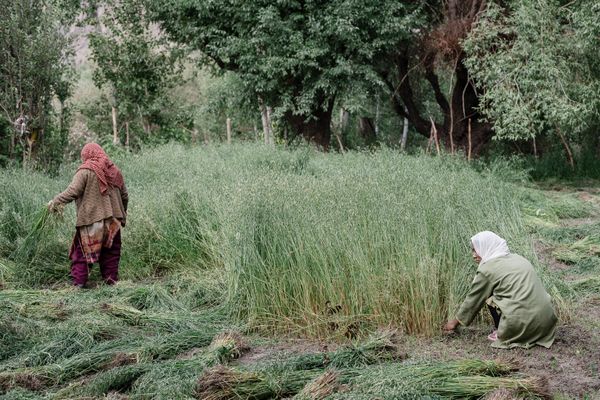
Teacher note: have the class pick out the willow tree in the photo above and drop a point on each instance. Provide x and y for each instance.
(538, 69)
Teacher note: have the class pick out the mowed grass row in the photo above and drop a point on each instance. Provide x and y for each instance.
(297, 241)
(150, 341)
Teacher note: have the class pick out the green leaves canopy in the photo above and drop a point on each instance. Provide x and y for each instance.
(295, 55)
(34, 69)
(537, 66)
(132, 58)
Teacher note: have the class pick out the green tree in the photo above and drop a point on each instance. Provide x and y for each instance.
(429, 82)
(537, 67)
(34, 70)
(295, 55)
(134, 63)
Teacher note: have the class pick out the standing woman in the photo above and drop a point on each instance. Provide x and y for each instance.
(100, 196)
(521, 308)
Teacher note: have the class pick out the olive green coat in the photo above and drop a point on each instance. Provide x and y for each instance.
(511, 283)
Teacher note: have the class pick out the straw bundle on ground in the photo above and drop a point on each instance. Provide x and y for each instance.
(227, 346)
(224, 383)
(116, 379)
(379, 347)
(324, 385)
(459, 379)
(502, 394)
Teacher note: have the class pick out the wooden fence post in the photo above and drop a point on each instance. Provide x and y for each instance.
(228, 130)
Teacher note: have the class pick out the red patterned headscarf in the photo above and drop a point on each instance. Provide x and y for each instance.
(95, 159)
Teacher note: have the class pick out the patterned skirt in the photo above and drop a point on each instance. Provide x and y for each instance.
(96, 236)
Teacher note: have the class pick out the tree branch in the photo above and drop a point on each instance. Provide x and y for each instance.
(437, 90)
(405, 91)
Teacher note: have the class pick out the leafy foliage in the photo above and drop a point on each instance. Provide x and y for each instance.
(296, 56)
(134, 62)
(537, 67)
(34, 69)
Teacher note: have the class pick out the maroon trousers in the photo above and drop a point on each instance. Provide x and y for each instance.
(109, 262)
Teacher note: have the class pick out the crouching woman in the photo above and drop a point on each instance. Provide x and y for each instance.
(101, 198)
(520, 306)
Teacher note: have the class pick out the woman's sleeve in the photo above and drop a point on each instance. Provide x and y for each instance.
(481, 290)
(125, 197)
(75, 189)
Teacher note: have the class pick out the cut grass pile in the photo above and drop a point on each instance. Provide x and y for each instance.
(564, 223)
(457, 379)
(52, 338)
(69, 344)
(307, 243)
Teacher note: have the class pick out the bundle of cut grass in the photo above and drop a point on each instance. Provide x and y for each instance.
(172, 379)
(132, 316)
(171, 322)
(22, 394)
(589, 245)
(168, 346)
(30, 380)
(227, 346)
(459, 379)
(475, 386)
(455, 380)
(324, 385)
(28, 247)
(379, 347)
(116, 379)
(583, 253)
(587, 285)
(502, 394)
(153, 297)
(224, 383)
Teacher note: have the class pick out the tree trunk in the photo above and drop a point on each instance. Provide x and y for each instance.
(344, 116)
(265, 116)
(568, 151)
(456, 113)
(266, 121)
(377, 118)
(114, 125)
(195, 136)
(228, 122)
(404, 134)
(367, 130)
(315, 129)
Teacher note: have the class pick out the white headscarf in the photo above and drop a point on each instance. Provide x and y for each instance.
(488, 245)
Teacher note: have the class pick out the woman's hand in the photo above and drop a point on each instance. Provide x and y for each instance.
(451, 326)
(55, 207)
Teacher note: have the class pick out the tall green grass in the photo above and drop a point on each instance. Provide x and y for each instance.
(294, 241)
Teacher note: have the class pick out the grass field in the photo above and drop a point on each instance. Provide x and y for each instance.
(272, 244)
